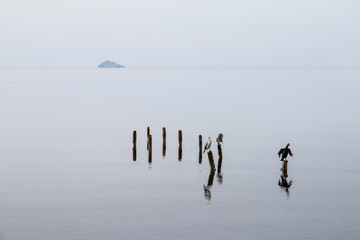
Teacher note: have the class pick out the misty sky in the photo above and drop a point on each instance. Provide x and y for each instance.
(183, 33)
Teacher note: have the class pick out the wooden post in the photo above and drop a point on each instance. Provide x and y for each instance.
(284, 166)
(150, 142)
(164, 141)
(220, 158)
(148, 135)
(150, 149)
(200, 149)
(180, 137)
(134, 145)
(134, 138)
(211, 160)
(180, 145)
(200, 143)
(164, 134)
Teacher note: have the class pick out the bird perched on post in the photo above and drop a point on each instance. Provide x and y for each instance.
(219, 139)
(208, 144)
(284, 152)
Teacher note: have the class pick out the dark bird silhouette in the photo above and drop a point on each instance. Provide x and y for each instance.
(284, 152)
(219, 138)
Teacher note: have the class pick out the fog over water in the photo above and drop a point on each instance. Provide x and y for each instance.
(172, 34)
(66, 168)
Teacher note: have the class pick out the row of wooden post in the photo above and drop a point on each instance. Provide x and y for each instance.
(180, 139)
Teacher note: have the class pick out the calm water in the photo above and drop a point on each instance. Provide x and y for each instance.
(66, 169)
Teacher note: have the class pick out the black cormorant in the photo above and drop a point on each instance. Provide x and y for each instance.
(284, 152)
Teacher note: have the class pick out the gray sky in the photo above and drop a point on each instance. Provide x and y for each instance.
(167, 33)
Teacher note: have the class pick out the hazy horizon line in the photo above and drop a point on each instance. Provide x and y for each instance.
(191, 68)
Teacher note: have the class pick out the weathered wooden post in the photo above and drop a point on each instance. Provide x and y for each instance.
(150, 141)
(134, 145)
(150, 149)
(180, 137)
(284, 166)
(200, 149)
(134, 138)
(148, 135)
(211, 160)
(220, 157)
(180, 145)
(164, 141)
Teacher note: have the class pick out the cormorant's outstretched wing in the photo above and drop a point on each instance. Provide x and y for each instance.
(290, 152)
(280, 152)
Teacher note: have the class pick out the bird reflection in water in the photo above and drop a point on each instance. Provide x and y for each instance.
(284, 183)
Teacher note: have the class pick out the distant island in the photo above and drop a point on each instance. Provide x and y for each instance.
(109, 64)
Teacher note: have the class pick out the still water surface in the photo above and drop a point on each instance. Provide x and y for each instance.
(66, 168)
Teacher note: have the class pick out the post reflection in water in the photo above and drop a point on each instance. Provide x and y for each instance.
(150, 156)
(207, 192)
(219, 175)
(180, 153)
(283, 182)
(134, 153)
(164, 149)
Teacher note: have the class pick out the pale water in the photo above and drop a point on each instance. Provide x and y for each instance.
(66, 168)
